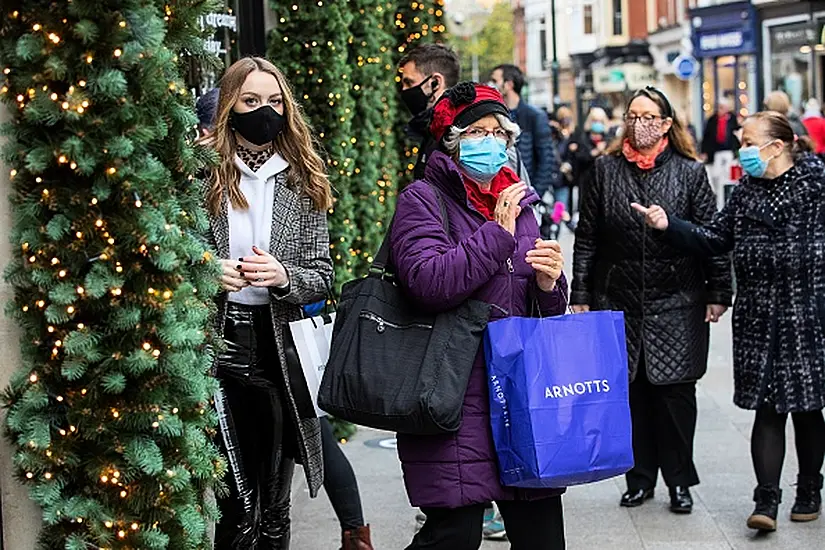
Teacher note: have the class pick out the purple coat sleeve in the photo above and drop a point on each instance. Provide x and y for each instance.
(555, 302)
(437, 273)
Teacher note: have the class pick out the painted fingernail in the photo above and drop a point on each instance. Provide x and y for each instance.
(238, 267)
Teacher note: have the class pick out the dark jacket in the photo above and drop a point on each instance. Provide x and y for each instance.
(620, 264)
(580, 156)
(709, 144)
(479, 260)
(776, 230)
(538, 152)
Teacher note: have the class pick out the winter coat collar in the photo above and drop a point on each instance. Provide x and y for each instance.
(444, 173)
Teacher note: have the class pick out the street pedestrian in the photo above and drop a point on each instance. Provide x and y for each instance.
(266, 201)
(584, 147)
(493, 253)
(340, 483)
(427, 71)
(815, 124)
(535, 144)
(668, 296)
(718, 144)
(780, 102)
(773, 223)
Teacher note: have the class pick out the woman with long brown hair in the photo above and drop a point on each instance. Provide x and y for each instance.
(668, 296)
(267, 201)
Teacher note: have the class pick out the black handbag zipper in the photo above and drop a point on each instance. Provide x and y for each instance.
(382, 324)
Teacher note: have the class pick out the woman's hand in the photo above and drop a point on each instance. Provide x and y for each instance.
(714, 312)
(548, 262)
(655, 215)
(231, 279)
(580, 308)
(507, 207)
(262, 269)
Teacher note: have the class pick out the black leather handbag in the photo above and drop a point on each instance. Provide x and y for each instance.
(394, 367)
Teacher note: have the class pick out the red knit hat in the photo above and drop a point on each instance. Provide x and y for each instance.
(463, 104)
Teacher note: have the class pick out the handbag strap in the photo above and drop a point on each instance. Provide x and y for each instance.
(379, 265)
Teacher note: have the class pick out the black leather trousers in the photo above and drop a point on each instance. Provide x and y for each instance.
(253, 418)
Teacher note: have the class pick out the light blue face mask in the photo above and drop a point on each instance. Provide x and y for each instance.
(482, 158)
(597, 127)
(751, 162)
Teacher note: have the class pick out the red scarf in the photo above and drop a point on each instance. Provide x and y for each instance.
(645, 162)
(485, 200)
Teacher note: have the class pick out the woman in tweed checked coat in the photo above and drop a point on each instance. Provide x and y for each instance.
(267, 203)
(775, 225)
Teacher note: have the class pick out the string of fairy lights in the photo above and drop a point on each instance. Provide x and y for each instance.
(62, 308)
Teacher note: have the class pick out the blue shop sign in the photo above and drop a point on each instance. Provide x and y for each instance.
(726, 29)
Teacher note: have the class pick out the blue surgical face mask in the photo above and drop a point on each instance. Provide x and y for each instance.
(752, 163)
(482, 158)
(597, 127)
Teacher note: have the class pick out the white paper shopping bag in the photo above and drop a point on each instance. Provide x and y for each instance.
(307, 345)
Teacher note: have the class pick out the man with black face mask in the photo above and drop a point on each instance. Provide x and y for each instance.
(427, 71)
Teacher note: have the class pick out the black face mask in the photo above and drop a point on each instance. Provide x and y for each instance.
(260, 126)
(416, 99)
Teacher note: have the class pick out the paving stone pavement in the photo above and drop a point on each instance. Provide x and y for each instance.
(594, 521)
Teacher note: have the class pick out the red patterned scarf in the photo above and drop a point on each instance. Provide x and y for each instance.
(485, 200)
(645, 162)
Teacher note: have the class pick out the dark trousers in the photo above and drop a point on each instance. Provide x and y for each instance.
(768, 443)
(339, 481)
(664, 425)
(531, 525)
(254, 425)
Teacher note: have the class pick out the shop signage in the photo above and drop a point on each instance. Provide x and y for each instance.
(794, 36)
(724, 29)
(721, 41)
(625, 77)
(685, 67)
(217, 21)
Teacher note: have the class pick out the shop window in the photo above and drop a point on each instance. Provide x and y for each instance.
(792, 48)
(543, 41)
(617, 17)
(588, 19)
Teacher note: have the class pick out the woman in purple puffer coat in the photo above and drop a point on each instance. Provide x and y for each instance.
(493, 253)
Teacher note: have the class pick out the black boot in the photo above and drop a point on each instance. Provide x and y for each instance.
(808, 502)
(633, 498)
(767, 499)
(681, 501)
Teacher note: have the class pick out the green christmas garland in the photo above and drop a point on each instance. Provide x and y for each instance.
(109, 414)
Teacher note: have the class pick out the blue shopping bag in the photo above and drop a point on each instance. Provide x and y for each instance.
(559, 398)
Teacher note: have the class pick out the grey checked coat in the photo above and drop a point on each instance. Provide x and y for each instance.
(300, 241)
(776, 230)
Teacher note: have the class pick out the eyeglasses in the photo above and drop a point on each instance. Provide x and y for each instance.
(498, 133)
(633, 119)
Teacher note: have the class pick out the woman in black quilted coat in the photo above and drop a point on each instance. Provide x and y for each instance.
(668, 296)
(775, 225)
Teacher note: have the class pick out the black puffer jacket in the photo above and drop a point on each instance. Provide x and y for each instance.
(620, 264)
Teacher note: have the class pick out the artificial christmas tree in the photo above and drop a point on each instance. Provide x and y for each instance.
(110, 411)
(415, 21)
(373, 90)
(310, 45)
